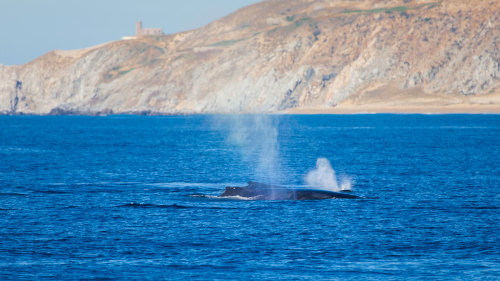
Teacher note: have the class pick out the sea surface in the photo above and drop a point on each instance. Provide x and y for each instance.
(135, 198)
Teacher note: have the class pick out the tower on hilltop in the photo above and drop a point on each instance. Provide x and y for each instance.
(139, 30)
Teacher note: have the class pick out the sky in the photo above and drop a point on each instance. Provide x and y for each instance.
(31, 28)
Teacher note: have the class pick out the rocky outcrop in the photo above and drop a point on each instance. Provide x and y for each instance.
(279, 56)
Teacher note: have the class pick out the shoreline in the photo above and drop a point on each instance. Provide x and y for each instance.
(494, 109)
(340, 111)
(429, 105)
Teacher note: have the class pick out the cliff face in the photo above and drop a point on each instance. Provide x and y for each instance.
(280, 55)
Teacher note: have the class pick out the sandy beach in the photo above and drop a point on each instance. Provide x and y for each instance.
(420, 104)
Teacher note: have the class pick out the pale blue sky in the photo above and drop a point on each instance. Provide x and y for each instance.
(31, 28)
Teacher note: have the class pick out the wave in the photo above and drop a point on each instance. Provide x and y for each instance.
(13, 194)
(483, 207)
(172, 206)
(105, 191)
(50, 192)
(16, 149)
(147, 206)
(203, 196)
(96, 183)
(182, 184)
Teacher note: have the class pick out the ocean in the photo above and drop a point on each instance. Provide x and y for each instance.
(136, 198)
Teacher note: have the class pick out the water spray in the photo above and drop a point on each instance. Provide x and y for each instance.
(323, 176)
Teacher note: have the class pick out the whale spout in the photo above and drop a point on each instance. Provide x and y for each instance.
(261, 191)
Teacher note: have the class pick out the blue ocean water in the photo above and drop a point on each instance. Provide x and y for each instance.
(127, 197)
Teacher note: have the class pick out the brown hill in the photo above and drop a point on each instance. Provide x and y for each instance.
(282, 56)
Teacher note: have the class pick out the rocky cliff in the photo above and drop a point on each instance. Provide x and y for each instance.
(281, 56)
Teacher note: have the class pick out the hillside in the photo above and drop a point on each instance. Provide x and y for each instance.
(297, 56)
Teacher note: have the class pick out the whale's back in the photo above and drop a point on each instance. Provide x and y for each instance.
(261, 191)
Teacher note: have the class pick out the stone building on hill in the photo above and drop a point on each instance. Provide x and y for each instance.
(146, 31)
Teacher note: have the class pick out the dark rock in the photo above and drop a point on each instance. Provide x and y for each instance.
(309, 73)
(316, 34)
(329, 77)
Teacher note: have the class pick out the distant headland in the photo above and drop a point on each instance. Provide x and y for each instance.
(281, 56)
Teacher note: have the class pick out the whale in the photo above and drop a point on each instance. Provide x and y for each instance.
(261, 191)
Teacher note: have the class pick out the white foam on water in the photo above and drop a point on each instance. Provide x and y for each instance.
(235, 197)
